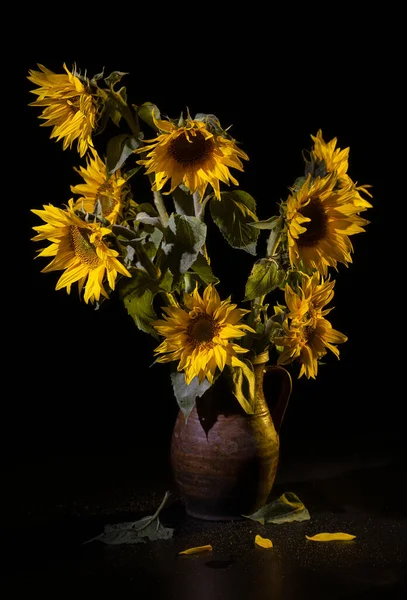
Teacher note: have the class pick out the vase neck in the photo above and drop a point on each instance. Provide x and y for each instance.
(261, 405)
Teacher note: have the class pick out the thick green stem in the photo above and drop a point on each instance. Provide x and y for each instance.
(160, 206)
(198, 205)
(126, 112)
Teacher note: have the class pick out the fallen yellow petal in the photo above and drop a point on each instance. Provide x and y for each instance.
(263, 542)
(331, 537)
(197, 550)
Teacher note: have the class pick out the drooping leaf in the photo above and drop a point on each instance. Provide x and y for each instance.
(119, 149)
(263, 542)
(184, 237)
(145, 112)
(137, 295)
(331, 537)
(203, 269)
(145, 218)
(232, 214)
(197, 550)
(114, 78)
(285, 509)
(241, 382)
(265, 276)
(136, 532)
(187, 394)
(267, 224)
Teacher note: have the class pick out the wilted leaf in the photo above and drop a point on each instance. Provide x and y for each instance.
(137, 531)
(187, 394)
(197, 550)
(267, 224)
(203, 269)
(241, 381)
(285, 509)
(331, 537)
(119, 149)
(114, 78)
(145, 112)
(263, 542)
(233, 215)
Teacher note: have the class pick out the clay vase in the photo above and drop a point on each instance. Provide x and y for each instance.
(224, 460)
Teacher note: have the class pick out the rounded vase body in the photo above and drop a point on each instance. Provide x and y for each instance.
(224, 460)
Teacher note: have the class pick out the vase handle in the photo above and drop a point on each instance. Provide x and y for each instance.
(283, 377)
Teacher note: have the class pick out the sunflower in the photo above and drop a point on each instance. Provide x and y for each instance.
(191, 154)
(79, 250)
(110, 191)
(199, 337)
(306, 333)
(320, 217)
(336, 161)
(70, 107)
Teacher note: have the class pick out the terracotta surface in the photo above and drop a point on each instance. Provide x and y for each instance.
(224, 460)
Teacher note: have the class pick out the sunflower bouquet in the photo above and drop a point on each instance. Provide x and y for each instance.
(152, 249)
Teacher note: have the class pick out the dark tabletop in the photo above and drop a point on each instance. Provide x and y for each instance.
(53, 504)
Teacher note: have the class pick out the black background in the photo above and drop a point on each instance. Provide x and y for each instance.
(80, 380)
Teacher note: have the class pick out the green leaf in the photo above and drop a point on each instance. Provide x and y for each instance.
(166, 281)
(148, 208)
(285, 509)
(267, 224)
(119, 149)
(299, 182)
(265, 276)
(241, 382)
(145, 113)
(233, 215)
(109, 111)
(184, 237)
(183, 202)
(136, 532)
(114, 78)
(137, 295)
(187, 394)
(203, 269)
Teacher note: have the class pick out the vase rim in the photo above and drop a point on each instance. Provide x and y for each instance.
(261, 358)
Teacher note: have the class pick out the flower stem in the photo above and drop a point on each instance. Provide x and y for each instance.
(160, 206)
(125, 111)
(198, 205)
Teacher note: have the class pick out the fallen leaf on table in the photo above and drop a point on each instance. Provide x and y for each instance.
(263, 542)
(285, 509)
(135, 532)
(197, 550)
(331, 537)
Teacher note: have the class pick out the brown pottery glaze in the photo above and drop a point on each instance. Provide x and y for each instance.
(224, 460)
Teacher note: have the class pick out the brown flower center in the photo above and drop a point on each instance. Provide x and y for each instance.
(317, 227)
(202, 330)
(82, 247)
(192, 150)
